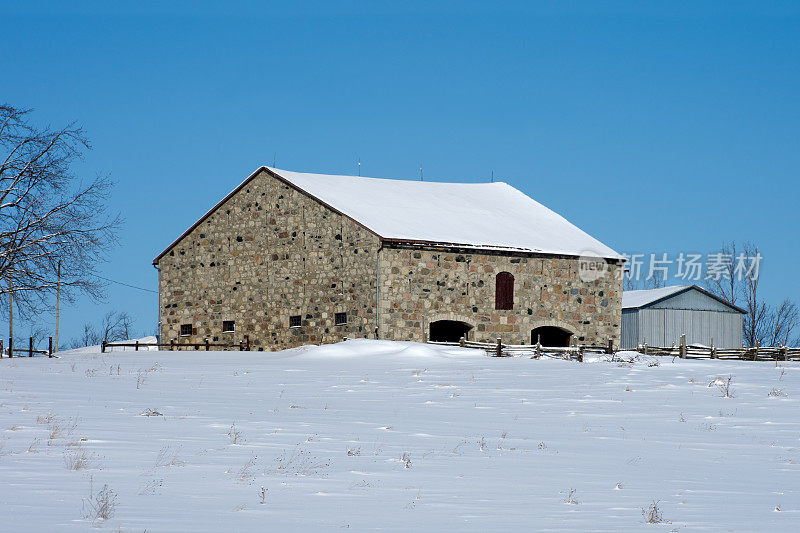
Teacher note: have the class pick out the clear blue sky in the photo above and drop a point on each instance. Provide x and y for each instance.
(655, 128)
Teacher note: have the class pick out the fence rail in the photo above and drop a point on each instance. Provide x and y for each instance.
(756, 353)
(29, 351)
(493, 349)
(243, 346)
(498, 349)
(683, 351)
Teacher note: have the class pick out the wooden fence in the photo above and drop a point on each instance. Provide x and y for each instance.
(757, 353)
(498, 349)
(30, 352)
(493, 349)
(683, 351)
(243, 346)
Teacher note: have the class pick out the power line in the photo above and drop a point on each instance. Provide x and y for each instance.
(125, 284)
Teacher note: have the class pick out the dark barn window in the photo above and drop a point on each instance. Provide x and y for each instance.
(294, 321)
(228, 326)
(186, 330)
(341, 318)
(504, 291)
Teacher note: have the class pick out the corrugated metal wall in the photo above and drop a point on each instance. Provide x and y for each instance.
(652, 326)
(630, 329)
(691, 313)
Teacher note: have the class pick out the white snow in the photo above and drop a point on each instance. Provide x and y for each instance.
(623, 356)
(636, 299)
(396, 436)
(485, 215)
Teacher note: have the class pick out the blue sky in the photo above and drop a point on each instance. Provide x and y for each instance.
(655, 128)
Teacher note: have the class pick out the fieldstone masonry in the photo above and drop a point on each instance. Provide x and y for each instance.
(270, 252)
(423, 286)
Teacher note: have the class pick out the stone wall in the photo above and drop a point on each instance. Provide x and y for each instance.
(270, 252)
(418, 287)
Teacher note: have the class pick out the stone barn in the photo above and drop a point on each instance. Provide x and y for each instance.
(291, 258)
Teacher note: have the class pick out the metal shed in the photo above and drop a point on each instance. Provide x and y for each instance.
(660, 316)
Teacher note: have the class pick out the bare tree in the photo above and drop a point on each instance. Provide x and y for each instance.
(656, 281)
(726, 285)
(633, 278)
(628, 281)
(114, 326)
(88, 337)
(763, 324)
(754, 324)
(781, 322)
(36, 333)
(47, 214)
(39, 336)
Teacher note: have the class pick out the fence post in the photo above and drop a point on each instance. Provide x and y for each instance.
(645, 345)
(171, 344)
(462, 341)
(713, 350)
(103, 346)
(30, 346)
(580, 354)
(499, 347)
(1, 348)
(50, 347)
(538, 347)
(136, 348)
(247, 342)
(207, 347)
(10, 347)
(683, 347)
(610, 349)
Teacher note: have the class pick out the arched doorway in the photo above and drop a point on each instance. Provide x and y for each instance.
(551, 336)
(448, 330)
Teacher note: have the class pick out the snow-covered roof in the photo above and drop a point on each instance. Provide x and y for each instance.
(493, 216)
(481, 215)
(640, 298)
(646, 297)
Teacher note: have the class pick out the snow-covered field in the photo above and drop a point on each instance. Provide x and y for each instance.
(372, 435)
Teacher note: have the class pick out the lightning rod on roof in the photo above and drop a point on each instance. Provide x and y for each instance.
(274, 157)
(420, 173)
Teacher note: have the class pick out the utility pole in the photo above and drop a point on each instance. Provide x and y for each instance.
(58, 302)
(10, 320)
